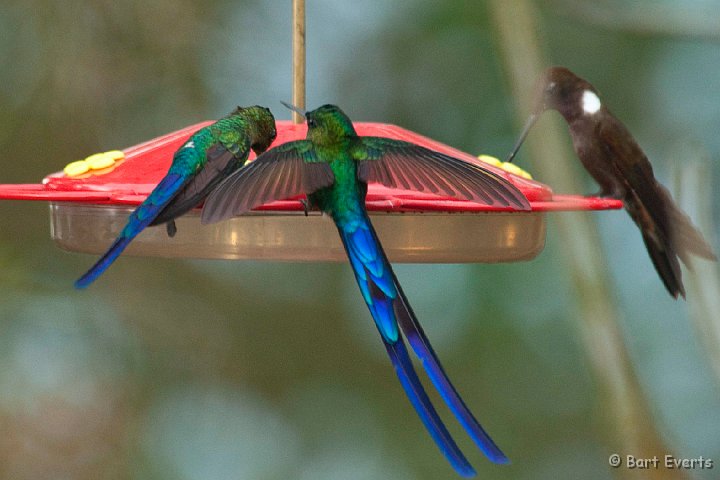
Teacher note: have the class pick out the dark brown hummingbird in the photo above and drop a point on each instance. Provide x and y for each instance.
(615, 160)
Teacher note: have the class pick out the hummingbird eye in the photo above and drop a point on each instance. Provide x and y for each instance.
(311, 122)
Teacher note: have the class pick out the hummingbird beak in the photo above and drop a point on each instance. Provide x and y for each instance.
(295, 109)
(528, 125)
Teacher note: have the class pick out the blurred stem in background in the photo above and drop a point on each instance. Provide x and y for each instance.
(621, 394)
(694, 195)
(664, 18)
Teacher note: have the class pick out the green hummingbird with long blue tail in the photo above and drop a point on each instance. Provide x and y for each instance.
(333, 167)
(199, 165)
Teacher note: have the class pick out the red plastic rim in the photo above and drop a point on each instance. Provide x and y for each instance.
(145, 164)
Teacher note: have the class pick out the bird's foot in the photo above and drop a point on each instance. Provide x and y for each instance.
(306, 205)
(607, 194)
(171, 228)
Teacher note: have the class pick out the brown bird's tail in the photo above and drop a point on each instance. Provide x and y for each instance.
(666, 263)
(686, 238)
(668, 234)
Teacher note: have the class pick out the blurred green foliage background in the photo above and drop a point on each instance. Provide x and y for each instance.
(187, 369)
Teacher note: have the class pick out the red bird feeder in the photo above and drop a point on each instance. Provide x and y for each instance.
(89, 210)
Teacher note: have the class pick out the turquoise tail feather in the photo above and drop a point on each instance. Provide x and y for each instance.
(372, 273)
(138, 220)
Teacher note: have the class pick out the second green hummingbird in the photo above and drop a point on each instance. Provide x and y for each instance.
(208, 156)
(333, 166)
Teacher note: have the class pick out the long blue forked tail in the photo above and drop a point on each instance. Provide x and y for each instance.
(375, 281)
(427, 413)
(138, 220)
(381, 289)
(421, 345)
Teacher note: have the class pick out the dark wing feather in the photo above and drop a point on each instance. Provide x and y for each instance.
(399, 164)
(220, 163)
(671, 225)
(285, 171)
(634, 168)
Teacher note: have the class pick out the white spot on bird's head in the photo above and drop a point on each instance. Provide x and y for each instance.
(590, 102)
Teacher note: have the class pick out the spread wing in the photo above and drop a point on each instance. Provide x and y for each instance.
(399, 164)
(220, 163)
(285, 171)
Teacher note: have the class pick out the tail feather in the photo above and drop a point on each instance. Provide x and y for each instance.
(138, 220)
(373, 277)
(668, 234)
(104, 262)
(685, 237)
(658, 244)
(427, 413)
(666, 264)
(421, 345)
(388, 305)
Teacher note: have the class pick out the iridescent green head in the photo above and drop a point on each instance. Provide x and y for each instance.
(261, 126)
(326, 124)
